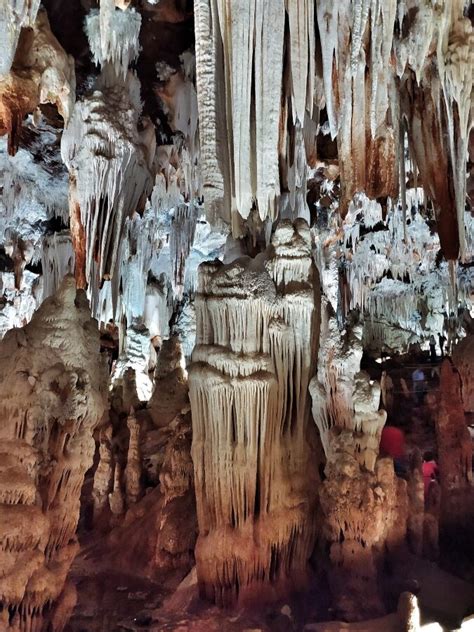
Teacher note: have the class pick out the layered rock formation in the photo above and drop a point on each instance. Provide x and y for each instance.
(53, 394)
(255, 472)
(364, 505)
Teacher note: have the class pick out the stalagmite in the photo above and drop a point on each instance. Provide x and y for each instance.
(52, 396)
(255, 477)
(103, 477)
(133, 469)
(360, 535)
(116, 498)
(463, 360)
(431, 522)
(416, 503)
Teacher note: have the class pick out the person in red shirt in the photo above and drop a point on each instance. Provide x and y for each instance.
(392, 443)
(430, 470)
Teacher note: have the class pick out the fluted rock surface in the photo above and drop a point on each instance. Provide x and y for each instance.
(255, 473)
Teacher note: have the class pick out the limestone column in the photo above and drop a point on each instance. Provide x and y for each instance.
(255, 466)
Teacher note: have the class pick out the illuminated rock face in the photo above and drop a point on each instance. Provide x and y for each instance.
(254, 462)
(388, 75)
(53, 393)
(360, 532)
(42, 73)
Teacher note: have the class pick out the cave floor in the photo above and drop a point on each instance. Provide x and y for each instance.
(110, 601)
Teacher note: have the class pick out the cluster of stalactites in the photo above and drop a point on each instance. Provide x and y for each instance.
(256, 338)
(57, 260)
(380, 87)
(238, 46)
(113, 34)
(389, 71)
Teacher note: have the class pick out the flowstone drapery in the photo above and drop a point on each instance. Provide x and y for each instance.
(255, 466)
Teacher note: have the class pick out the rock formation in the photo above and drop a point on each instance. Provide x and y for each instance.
(274, 196)
(41, 73)
(463, 359)
(360, 534)
(416, 505)
(255, 475)
(133, 470)
(52, 396)
(455, 454)
(103, 476)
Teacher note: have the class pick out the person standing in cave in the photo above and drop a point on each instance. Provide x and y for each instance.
(451, 331)
(441, 340)
(432, 342)
(386, 388)
(418, 379)
(430, 470)
(392, 444)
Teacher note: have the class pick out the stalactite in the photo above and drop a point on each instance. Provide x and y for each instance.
(113, 36)
(256, 337)
(240, 46)
(57, 260)
(111, 176)
(116, 499)
(183, 228)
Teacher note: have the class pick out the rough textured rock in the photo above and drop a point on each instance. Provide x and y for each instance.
(463, 360)
(41, 73)
(52, 396)
(416, 503)
(455, 454)
(255, 476)
(360, 534)
(133, 469)
(354, 116)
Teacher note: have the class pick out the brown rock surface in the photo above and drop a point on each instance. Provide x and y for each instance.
(52, 396)
(455, 453)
